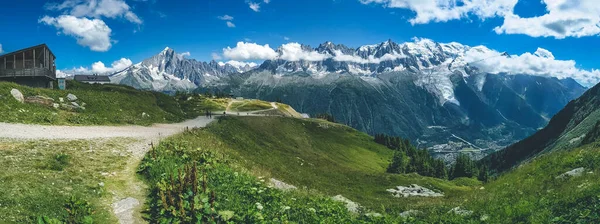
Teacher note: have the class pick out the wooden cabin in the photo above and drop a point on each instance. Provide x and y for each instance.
(34, 66)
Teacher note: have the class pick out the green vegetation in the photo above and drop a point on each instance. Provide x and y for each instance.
(40, 179)
(408, 159)
(250, 105)
(325, 116)
(199, 104)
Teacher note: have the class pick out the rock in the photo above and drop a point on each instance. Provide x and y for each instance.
(484, 218)
(373, 214)
(17, 95)
(71, 97)
(410, 213)
(350, 205)
(62, 100)
(56, 105)
(573, 173)
(144, 114)
(40, 100)
(68, 107)
(413, 190)
(460, 211)
(281, 185)
(123, 209)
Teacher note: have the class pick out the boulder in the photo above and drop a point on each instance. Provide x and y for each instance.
(56, 105)
(573, 173)
(350, 205)
(17, 95)
(71, 97)
(461, 211)
(281, 185)
(413, 190)
(41, 100)
(62, 100)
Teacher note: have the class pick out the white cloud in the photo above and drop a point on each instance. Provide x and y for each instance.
(92, 33)
(540, 63)
(267, 1)
(96, 9)
(446, 10)
(99, 68)
(564, 18)
(185, 54)
(250, 51)
(239, 64)
(286, 38)
(254, 6)
(230, 24)
(216, 56)
(226, 17)
(294, 52)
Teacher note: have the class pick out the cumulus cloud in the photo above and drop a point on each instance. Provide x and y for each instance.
(563, 18)
(541, 63)
(286, 38)
(185, 54)
(230, 24)
(254, 6)
(295, 52)
(446, 10)
(267, 1)
(99, 68)
(92, 33)
(250, 51)
(225, 17)
(96, 9)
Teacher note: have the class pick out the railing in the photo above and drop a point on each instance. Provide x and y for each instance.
(27, 72)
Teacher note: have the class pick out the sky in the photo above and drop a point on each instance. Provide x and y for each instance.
(547, 36)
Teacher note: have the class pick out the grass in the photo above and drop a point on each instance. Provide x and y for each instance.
(250, 105)
(38, 177)
(104, 105)
(313, 154)
(199, 103)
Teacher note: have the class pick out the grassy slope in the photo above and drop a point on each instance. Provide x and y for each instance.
(250, 105)
(30, 187)
(331, 158)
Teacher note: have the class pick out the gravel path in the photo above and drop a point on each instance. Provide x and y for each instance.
(26, 131)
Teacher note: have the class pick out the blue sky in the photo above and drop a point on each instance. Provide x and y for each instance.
(142, 28)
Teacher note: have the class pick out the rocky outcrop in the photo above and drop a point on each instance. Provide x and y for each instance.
(71, 97)
(413, 190)
(40, 100)
(17, 95)
(573, 173)
(277, 184)
(350, 205)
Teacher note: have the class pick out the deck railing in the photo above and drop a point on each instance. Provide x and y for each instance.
(27, 72)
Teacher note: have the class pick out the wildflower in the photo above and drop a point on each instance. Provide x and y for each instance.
(312, 210)
(259, 206)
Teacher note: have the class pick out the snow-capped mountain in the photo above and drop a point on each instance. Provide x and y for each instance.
(435, 94)
(169, 72)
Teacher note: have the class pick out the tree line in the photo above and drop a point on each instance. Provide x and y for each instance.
(409, 159)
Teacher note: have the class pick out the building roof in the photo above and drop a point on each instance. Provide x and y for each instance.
(29, 48)
(91, 78)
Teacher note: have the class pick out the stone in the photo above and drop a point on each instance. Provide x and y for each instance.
(460, 211)
(374, 214)
(350, 205)
(40, 100)
(413, 190)
(410, 213)
(17, 95)
(71, 97)
(124, 209)
(573, 173)
(56, 105)
(281, 185)
(62, 100)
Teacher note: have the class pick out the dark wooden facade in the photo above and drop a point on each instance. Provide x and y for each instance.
(34, 66)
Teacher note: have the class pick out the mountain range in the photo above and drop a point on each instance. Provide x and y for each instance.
(432, 93)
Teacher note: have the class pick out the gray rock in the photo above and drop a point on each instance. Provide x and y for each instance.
(373, 214)
(40, 100)
(17, 95)
(56, 105)
(350, 205)
(62, 100)
(281, 185)
(410, 213)
(573, 173)
(460, 211)
(123, 209)
(71, 97)
(413, 190)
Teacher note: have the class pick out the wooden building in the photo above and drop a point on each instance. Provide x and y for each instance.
(34, 66)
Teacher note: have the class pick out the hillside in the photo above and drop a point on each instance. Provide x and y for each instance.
(566, 130)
